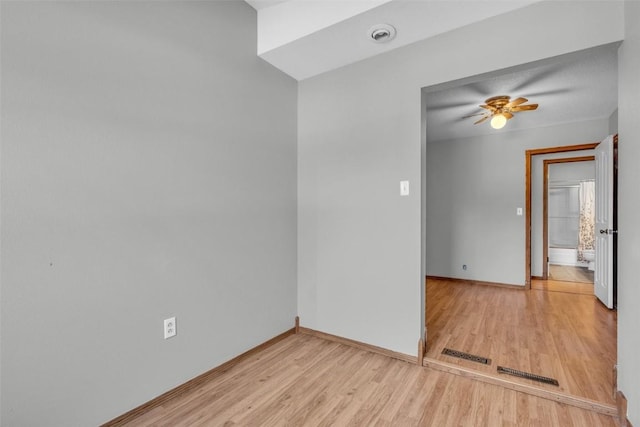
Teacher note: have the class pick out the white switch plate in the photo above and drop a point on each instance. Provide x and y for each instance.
(170, 327)
(404, 188)
(519, 211)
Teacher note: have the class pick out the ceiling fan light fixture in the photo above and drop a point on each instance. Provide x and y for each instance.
(498, 121)
(500, 109)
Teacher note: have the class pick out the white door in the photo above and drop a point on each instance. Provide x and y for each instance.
(603, 277)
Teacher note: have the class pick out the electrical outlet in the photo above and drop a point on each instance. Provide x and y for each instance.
(170, 327)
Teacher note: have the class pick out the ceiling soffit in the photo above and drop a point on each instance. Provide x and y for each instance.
(304, 38)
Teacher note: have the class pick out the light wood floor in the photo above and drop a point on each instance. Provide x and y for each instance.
(308, 381)
(567, 336)
(562, 286)
(570, 274)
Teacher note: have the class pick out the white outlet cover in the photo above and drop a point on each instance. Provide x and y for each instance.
(170, 327)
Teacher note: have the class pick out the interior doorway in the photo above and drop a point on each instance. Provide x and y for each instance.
(494, 319)
(530, 155)
(529, 253)
(568, 219)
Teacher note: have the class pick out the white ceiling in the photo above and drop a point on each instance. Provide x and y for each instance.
(260, 4)
(305, 38)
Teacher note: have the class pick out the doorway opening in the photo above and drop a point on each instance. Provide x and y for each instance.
(568, 232)
(473, 299)
(530, 155)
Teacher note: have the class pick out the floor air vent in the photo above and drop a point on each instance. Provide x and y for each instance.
(466, 356)
(527, 375)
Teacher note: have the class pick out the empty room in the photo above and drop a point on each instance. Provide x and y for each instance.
(282, 212)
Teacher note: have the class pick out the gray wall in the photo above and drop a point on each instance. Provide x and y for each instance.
(148, 170)
(359, 135)
(613, 123)
(475, 185)
(628, 208)
(573, 172)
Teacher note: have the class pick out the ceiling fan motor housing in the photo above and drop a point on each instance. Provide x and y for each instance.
(503, 106)
(498, 101)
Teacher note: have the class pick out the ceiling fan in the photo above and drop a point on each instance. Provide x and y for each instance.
(501, 109)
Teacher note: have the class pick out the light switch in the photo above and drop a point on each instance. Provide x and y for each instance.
(519, 211)
(404, 188)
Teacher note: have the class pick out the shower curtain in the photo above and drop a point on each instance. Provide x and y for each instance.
(586, 233)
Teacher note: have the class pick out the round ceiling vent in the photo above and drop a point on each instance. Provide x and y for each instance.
(382, 33)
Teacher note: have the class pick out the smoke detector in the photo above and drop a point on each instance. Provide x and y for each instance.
(381, 33)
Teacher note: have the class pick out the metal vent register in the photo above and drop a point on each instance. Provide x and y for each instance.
(466, 356)
(527, 375)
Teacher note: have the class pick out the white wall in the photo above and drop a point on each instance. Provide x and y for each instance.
(359, 135)
(474, 186)
(148, 170)
(628, 208)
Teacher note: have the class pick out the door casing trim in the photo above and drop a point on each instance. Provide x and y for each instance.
(545, 206)
(527, 223)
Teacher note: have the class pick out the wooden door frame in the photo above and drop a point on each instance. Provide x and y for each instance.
(527, 224)
(545, 206)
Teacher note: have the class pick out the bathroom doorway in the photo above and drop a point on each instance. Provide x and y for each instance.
(569, 220)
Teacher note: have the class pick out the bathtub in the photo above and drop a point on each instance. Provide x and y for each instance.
(565, 256)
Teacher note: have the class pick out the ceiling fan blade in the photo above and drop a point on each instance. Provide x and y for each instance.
(550, 92)
(515, 102)
(445, 106)
(507, 115)
(473, 115)
(481, 120)
(488, 107)
(537, 75)
(528, 107)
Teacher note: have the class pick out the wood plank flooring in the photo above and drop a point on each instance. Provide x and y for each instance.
(566, 336)
(570, 274)
(562, 286)
(308, 381)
